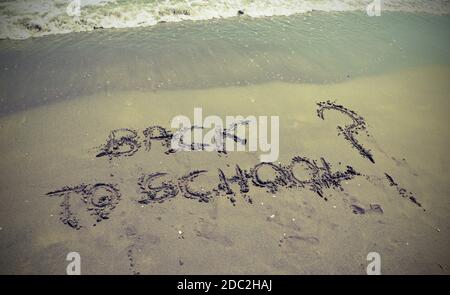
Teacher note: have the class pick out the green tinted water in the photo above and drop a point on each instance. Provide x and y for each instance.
(310, 48)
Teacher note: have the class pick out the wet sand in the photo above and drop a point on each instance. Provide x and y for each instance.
(290, 231)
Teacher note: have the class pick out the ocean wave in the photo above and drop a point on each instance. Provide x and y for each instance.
(22, 19)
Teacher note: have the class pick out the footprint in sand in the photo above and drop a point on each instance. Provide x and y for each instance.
(208, 230)
(294, 242)
(136, 247)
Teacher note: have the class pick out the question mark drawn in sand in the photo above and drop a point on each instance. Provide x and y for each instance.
(349, 131)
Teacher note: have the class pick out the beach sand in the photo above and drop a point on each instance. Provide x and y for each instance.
(291, 231)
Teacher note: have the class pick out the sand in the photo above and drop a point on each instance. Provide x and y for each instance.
(290, 231)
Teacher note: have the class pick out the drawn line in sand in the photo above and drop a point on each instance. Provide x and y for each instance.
(349, 131)
(403, 192)
(100, 199)
(120, 142)
(126, 142)
(165, 191)
(321, 177)
(135, 245)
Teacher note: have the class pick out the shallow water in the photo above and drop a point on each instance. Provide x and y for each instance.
(315, 48)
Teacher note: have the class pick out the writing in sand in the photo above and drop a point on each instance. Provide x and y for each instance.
(100, 199)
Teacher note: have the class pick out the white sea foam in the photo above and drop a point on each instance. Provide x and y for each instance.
(21, 19)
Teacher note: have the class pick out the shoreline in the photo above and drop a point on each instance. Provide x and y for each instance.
(89, 21)
(210, 54)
